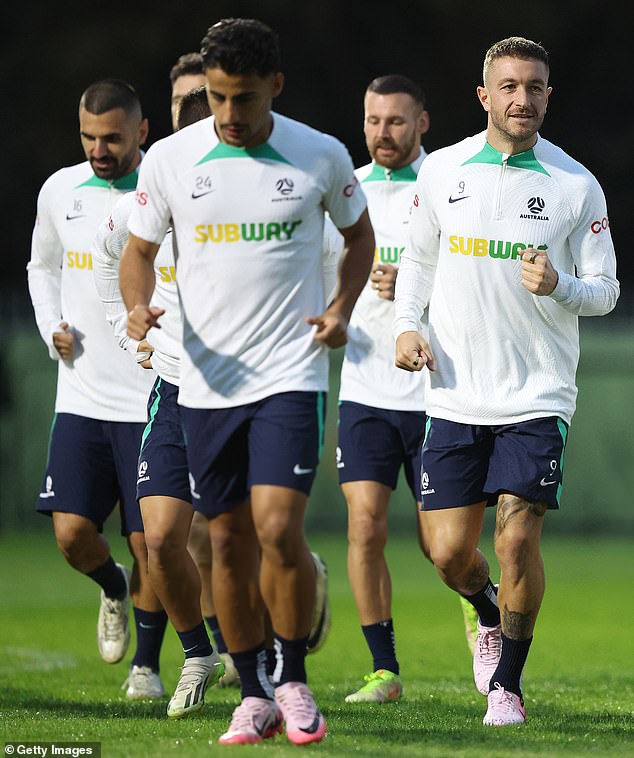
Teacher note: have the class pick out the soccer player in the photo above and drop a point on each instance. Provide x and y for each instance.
(509, 244)
(246, 193)
(163, 485)
(381, 409)
(101, 395)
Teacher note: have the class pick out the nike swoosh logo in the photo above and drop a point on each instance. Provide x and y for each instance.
(189, 649)
(298, 470)
(147, 626)
(313, 727)
(544, 483)
(201, 194)
(72, 218)
(457, 199)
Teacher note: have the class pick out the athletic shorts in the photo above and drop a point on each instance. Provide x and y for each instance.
(163, 466)
(275, 441)
(373, 444)
(465, 464)
(92, 466)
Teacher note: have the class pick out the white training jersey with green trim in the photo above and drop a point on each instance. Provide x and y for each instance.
(107, 249)
(503, 354)
(368, 373)
(248, 224)
(100, 382)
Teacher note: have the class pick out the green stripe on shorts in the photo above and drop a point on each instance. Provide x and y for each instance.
(153, 411)
(563, 430)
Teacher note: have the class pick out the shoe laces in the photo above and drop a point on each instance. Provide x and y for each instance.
(112, 620)
(138, 674)
(503, 698)
(191, 674)
(489, 642)
(298, 700)
(373, 677)
(244, 716)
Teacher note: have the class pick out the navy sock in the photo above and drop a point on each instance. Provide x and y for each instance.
(291, 655)
(251, 665)
(508, 674)
(380, 639)
(486, 604)
(150, 628)
(110, 578)
(214, 628)
(195, 642)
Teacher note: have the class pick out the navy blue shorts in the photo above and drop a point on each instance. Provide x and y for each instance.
(92, 466)
(163, 466)
(274, 441)
(373, 444)
(465, 464)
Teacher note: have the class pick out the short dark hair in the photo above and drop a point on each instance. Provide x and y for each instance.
(394, 83)
(515, 47)
(193, 107)
(241, 46)
(187, 64)
(108, 94)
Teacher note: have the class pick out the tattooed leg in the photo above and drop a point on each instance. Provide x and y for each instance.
(518, 530)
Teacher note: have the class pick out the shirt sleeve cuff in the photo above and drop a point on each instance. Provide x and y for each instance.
(564, 287)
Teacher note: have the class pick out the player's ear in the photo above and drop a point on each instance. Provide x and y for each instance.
(423, 122)
(144, 130)
(483, 97)
(278, 83)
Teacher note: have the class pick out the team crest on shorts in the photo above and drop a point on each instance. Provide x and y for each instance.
(143, 476)
(425, 490)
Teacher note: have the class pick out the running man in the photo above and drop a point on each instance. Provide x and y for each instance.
(381, 409)
(101, 396)
(509, 244)
(246, 193)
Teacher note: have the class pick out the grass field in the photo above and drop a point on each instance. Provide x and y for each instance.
(579, 681)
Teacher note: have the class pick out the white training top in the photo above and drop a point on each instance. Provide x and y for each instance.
(107, 249)
(100, 382)
(502, 354)
(368, 373)
(248, 224)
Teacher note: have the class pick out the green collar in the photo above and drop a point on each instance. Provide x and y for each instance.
(124, 183)
(525, 160)
(381, 174)
(261, 152)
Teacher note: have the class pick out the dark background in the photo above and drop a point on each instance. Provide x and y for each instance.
(330, 51)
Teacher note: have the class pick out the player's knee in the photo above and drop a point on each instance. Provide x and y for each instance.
(514, 548)
(226, 546)
(280, 544)
(162, 545)
(74, 541)
(199, 546)
(366, 531)
(450, 560)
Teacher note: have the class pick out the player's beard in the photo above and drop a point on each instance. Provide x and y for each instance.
(509, 128)
(109, 172)
(399, 158)
(115, 167)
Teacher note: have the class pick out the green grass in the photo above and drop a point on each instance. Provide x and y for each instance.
(579, 681)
